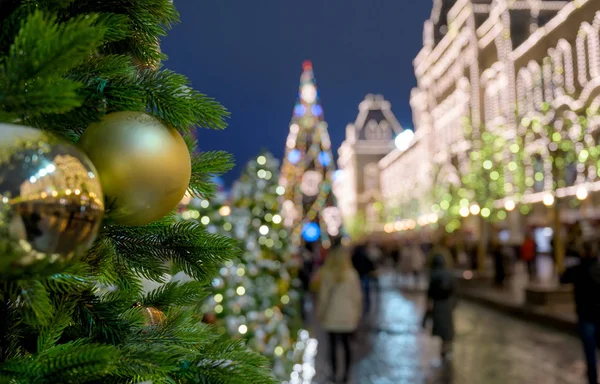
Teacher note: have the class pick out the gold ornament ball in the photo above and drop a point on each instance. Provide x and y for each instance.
(51, 201)
(143, 165)
(154, 317)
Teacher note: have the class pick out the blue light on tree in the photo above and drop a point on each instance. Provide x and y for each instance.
(311, 232)
(299, 110)
(317, 110)
(294, 156)
(324, 158)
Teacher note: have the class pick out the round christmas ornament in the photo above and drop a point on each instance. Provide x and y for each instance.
(51, 202)
(144, 166)
(154, 317)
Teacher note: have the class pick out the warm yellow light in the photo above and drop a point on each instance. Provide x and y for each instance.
(276, 219)
(485, 212)
(285, 299)
(388, 228)
(548, 200)
(582, 193)
(464, 211)
(225, 210)
(205, 220)
(263, 230)
(475, 209)
(278, 351)
(243, 329)
(268, 312)
(398, 225)
(241, 271)
(240, 291)
(261, 160)
(433, 218)
(218, 298)
(509, 205)
(218, 308)
(280, 190)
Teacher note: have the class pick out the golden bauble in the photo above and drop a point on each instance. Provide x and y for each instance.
(51, 202)
(154, 317)
(144, 166)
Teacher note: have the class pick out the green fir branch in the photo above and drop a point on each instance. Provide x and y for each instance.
(36, 86)
(171, 99)
(174, 294)
(205, 166)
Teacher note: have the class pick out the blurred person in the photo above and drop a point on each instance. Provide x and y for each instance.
(585, 277)
(365, 267)
(497, 251)
(376, 256)
(413, 261)
(305, 275)
(339, 305)
(528, 254)
(440, 303)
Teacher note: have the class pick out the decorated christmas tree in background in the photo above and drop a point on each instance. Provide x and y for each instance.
(255, 296)
(96, 151)
(309, 206)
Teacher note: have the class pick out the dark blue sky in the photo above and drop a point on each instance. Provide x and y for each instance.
(248, 55)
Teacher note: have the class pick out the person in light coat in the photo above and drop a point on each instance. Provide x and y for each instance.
(412, 262)
(339, 304)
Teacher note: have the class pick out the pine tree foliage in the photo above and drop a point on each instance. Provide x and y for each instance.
(63, 65)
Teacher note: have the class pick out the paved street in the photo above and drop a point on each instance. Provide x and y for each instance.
(490, 348)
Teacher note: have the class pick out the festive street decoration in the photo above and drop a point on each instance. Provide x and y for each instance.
(144, 166)
(307, 172)
(51, 202)
(255, 297)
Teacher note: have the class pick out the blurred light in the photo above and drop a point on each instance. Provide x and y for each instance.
(280, 190)
(485, 212)
(263, 230)
(205, 220)
(548, 200)
(268, 312)
(388, 228)
(285, 299)
(316, 110)
(294, 128)
(227, 226)
(308, 93)
(243, 329)
(311, 232)
(404, 139)
(467, 275)
(204, 203)
(464, 211)
(261, 160)
(278, 351)
(294, 156)
(218, 308)
(324, 158)
(475, 209)
(276, 219)
(261, 173)
(433, 218)
(241, 271)
(218, 298)
(582, 193)
(240, 291)
(224, 210)
(299, 110)
(509, 205)
(337, 175)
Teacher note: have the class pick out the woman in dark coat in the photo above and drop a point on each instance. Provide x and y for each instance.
(441, 301)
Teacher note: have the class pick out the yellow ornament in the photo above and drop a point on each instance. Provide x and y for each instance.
(144, 166)
(51, 202)
(154, 317)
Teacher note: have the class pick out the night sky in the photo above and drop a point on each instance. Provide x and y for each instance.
(248, 55)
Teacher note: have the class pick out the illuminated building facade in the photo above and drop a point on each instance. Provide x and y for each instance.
(368, 140)
(526, 71)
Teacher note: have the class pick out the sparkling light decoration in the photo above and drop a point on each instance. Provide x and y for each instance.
(308, 167)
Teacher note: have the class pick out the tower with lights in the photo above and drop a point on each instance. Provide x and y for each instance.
(309, 207)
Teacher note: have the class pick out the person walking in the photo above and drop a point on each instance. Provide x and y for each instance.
(528, 255)
(440, 303)
(497, 250)
(413, 261)
(364, 267)
(585, 277)
(339, 305)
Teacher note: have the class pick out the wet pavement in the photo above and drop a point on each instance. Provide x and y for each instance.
(490, 348)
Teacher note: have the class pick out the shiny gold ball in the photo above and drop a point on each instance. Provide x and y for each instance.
(144, 166)
(51, 202)
(154, 317)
